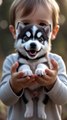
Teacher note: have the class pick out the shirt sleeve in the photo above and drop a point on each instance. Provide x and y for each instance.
(7, 95)
(58, 94)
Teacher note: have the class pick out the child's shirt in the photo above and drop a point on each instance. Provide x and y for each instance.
(16, 106)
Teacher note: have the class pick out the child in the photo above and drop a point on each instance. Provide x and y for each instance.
(36, 12)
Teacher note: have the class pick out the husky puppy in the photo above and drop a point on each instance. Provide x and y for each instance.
(33, 45)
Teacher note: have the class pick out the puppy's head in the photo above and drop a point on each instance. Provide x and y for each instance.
(32, 40)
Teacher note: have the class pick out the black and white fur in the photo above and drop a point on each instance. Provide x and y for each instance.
(32, 44)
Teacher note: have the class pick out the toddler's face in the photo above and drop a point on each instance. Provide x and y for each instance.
(42, 15)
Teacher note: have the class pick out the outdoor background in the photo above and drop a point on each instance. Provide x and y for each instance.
(59, 46)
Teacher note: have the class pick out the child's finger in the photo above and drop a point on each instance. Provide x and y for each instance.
(14, 67)
(20, 75)
(25, 82)
(48, 72)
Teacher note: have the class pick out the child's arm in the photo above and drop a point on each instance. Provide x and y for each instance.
(9, 86)
(55, 81)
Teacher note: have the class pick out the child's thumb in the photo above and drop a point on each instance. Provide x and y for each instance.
(14, 67)
(54, 64)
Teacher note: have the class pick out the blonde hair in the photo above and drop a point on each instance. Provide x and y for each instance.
(27, 7)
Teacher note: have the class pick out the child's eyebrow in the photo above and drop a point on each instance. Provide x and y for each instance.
(46, 22)
(25, 21)
(43, 21)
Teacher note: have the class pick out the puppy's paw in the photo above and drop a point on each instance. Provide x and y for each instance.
(29, 110)
(27, 72)
(28, 113)
(41, 111)
(42, 115)
(40, 72)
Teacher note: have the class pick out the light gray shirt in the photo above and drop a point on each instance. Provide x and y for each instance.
(16, 106)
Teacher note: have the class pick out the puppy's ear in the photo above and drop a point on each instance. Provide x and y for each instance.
(19, 28)
(12, 30)
(47, 29)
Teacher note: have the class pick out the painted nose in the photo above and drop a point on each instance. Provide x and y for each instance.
(33, 45)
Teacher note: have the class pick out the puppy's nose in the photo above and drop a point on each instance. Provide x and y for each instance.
(33, 45)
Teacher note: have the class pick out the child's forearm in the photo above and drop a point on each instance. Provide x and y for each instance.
(16, 91)
(49, 87)
(7, 95)
(58, 93)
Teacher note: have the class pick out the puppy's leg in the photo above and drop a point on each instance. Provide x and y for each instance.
(26, 69)
(29, 105)
(41, 69)
(41, 106)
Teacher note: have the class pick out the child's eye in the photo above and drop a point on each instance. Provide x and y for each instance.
(42, 24)
(26, 23)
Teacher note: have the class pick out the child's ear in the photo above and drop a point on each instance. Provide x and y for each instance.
(12, 30)
(54, 32)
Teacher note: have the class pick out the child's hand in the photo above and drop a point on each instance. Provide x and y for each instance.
(18, 81)
(51, 76)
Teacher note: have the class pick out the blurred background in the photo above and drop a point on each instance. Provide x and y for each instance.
(59, 46)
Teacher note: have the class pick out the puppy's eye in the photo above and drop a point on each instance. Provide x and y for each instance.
(25, 38)
(23, 41)
(41, 39)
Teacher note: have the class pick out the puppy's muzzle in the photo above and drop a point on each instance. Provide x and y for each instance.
(33, 46)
